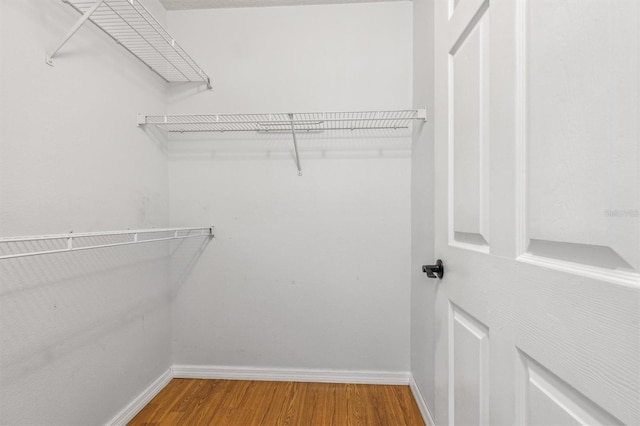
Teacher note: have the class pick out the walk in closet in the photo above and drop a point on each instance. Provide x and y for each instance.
(180, 198)
(320, 212)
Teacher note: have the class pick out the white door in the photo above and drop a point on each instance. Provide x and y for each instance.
(537, 212)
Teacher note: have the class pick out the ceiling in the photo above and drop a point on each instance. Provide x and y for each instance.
(207, 4)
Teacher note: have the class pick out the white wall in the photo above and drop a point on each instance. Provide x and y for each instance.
(422, 194)
(307, 272)
(82, 333)
(310, 271)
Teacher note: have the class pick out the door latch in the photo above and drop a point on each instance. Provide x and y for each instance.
(434, 271)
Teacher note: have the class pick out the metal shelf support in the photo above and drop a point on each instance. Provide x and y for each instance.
(85, 17)
(71, 241)
(295, 144)
(134, 28)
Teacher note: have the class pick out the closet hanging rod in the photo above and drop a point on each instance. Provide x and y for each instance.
(133, 27)
(67, 240)
(419, 113)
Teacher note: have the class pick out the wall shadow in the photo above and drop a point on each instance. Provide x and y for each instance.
(341, 144)
(55, 305)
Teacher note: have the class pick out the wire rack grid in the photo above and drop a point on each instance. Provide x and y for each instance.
(131, 25)
(35, 245)
(285, 122)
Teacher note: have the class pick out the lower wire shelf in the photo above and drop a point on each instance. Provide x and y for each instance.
(15, 247)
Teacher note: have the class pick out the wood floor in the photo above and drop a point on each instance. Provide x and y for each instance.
(245, 403)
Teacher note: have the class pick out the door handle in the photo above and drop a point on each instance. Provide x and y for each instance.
(434, 271)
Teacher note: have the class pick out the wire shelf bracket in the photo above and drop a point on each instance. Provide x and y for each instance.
(295, 144)
(293, 123)
(61, 243)
(132, 26)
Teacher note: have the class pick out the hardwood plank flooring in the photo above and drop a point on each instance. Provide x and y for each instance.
(246, 403)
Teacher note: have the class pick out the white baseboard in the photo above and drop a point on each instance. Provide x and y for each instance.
(274, 374)
(139, 402)
(291, 374)
(422, 405)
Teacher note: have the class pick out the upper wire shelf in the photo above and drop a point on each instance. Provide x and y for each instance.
(131, 25)
(285, 122)
(14, 247)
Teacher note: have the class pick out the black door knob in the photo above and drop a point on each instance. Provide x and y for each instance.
(434, 271)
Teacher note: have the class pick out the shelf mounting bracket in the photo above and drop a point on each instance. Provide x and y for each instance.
(73, 30)
(295, 144)
(422, 114)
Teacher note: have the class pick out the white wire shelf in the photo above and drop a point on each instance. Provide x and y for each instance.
(14, 247)
(285, 122)
(131, 25)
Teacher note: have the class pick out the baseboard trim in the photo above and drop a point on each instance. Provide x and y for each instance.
(274, 374)
(422, 404)
(291, 374)
(139, 402)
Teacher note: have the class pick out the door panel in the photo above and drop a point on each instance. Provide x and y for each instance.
(468, 127)
(469, 375)
(580, 107)
(537, 161)
(468, 122)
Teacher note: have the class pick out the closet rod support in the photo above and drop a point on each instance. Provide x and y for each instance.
(295, 144)
(73, 30)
